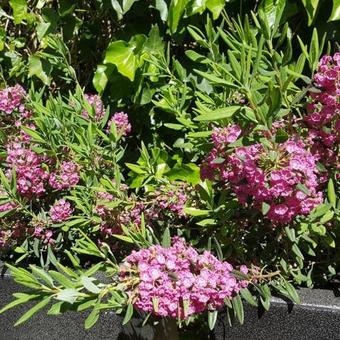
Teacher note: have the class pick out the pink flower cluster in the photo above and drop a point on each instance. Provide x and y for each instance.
(31, 176)
(114, 218)
(178, 281)
(121, 120)
(44, 234)
(284, 177)
(96, 102)
(66, 177)
(171, 198)
(16, 231)
(11, 98)
(226, 135)
(61, 211)
(324, 111)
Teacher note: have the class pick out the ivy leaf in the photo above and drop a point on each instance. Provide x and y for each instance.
(122, 54)
(19, 10)
(35, 68)
(215, 7)
(101, 77)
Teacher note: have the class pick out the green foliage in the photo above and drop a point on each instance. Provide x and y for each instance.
(179, 69)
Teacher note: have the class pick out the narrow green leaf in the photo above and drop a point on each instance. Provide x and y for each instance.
(195, 211)
(335, 15)
(331, 192)
(292, 293)
(296, 250)
(221, 113)
(89, 285)
(166, 240)
(238, 308)
(92, 318)
(245, 293)
(212, 318)
(128, 314)
(33, 310)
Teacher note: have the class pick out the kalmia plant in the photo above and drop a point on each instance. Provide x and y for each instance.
(202, 174)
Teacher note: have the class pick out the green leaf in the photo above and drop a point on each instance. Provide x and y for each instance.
(101, 77)
(290, 233)
(212, 318)
(292, 293)
(265, 208)
(189, 173)
(68, 295)
(123, 238)
(176, 11)
(23, 298)
(122, 54)
(238, 308)
(19, 10)
(199, 134)
(215, 7)
(335, 15)
(128, 314)
(62, 279)
(331, 192)
(245, 293)
(43, 275)
(297, 251)
(135, 168)
(215, 79)
(166, 240)
(35, 68)
(303, 188)
(162, 7)
(92, 318)
(195, 211)
(89, 285)
(311, 7)
(281, 136)
(33, 310)
(221, 113)
(33, 134)
(56, 308)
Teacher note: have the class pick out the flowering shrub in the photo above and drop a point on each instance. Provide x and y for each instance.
(177, 172)
(280, 180)
(323, 112)
(177, 281)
